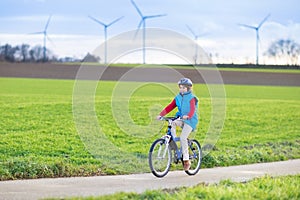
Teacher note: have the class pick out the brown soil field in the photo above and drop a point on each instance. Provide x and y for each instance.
(63, 71)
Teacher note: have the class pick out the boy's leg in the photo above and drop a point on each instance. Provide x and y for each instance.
(174, 125)
(186, 130)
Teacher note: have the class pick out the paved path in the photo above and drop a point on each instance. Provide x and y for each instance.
(100, 185)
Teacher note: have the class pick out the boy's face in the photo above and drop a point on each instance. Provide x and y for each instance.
(182, 89)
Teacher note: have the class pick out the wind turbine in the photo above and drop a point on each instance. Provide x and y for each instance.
(45, 37)
(105, 33)
(143, 22)
(196, 36)
(256, 28)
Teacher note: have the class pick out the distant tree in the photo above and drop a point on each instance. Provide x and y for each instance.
(36, 53)
(22, 53)
(31, 54)
(4, 51)
(285, 49)
(2, 56)
(8, 52)
(91, 58)
(24, 48)
(69, 59)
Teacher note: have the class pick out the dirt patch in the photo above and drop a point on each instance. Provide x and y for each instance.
(63, 71)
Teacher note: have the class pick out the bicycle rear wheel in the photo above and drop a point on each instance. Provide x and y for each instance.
(195, 155)
(160, 158)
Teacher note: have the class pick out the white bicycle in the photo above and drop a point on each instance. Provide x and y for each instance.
(162, 149)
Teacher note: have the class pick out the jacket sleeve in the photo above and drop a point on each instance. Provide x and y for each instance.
(192, 107)
(168, 108)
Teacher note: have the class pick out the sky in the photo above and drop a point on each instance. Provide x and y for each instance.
(73, 33)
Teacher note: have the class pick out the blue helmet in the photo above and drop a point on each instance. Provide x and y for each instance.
(185, 81)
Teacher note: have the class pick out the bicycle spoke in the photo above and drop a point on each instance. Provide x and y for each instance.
(195, 157)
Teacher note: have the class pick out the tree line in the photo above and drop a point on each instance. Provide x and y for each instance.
(26, 53)
(285, 50)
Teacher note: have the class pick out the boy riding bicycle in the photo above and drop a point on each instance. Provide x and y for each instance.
(187, 104)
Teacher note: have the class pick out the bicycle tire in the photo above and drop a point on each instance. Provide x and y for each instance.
(195, 155)
(159, 164)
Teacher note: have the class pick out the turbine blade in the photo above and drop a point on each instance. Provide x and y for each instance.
(138, 28)
(35, 33)
(263, 21)
(48, 38)
(153, 16)
(47, 24)
(135, 34)
(138, 10)
(96, 20)
(191, 30)
(115, 21)
(140, 24)
(247, 26)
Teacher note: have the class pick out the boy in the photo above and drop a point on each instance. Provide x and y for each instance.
(187, 105)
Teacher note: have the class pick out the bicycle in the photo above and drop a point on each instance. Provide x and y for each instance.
(161, 150)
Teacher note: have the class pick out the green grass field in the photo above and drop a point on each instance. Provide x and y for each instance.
(38, 137)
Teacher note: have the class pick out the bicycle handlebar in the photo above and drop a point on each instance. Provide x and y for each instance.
(170, 118)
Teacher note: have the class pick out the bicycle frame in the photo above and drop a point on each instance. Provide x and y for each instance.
(169, 138)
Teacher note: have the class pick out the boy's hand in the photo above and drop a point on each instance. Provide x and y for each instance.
(158, 117)
(185, 117)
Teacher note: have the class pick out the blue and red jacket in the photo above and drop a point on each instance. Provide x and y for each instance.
(187, 104)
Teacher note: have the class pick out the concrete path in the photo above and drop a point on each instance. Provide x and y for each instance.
(100, 185)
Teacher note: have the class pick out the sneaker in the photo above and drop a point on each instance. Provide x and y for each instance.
(186, 165)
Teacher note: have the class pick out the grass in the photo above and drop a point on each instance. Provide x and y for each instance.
(267, 187)
(38, 135)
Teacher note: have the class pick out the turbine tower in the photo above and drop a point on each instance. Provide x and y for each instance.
(105, 33)
(143, 22)
(44, 32)
(256, 28)
(196, 36)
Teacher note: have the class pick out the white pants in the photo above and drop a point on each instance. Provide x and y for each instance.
(186, 130)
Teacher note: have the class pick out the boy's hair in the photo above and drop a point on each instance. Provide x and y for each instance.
(187, 86)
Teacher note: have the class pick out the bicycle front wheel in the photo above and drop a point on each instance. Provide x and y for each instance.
(160, 158)
(195, 155)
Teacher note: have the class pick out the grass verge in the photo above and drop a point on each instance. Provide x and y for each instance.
(267, 187)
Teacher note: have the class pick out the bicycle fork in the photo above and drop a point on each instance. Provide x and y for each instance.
(165, 150)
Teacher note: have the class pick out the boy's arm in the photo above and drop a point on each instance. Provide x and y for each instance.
(168, 108)
(192, 108)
